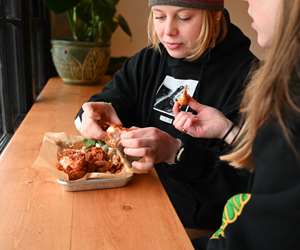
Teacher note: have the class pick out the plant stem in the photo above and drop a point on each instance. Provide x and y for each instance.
(71, 14)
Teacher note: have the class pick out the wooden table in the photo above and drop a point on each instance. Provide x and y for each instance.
(36, 213)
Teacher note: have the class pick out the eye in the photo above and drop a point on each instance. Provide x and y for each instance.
(184, 18)
(159, 17)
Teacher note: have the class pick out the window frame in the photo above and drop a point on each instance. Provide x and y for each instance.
(25, 61)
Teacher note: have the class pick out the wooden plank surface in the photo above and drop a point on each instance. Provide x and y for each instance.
(36, 213)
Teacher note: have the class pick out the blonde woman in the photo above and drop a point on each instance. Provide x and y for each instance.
(194, 46)
(268, 144)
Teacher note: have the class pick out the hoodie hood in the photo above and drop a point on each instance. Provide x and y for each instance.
(234, 40)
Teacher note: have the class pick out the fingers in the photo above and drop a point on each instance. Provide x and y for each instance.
(151, 144)
(196, 106)
(136, 142)
(89, 108)
(193, 127)
(134, 148)
(101, 111)
(176, 108)
(142, 165)
(135, 132)
(193, 104)
(180, 121)
(91, 129)
(138, 147)
(114, 119)
(139, 152)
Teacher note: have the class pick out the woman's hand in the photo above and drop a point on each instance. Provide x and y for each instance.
(208, 122)
(151, 145)
(95, 116)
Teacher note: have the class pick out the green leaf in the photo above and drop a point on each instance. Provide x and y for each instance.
(100, 143)
(113, 3)
(89, 143)
(124, 25)
(84, 11)
(72, 22)
(59, 6)
(104, 32)
(91, 20)
(104, 9)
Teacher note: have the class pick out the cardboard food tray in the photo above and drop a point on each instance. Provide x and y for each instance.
(90, 184)
(47, 158)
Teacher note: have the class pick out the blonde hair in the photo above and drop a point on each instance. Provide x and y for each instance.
(268, 92)
(214, 30)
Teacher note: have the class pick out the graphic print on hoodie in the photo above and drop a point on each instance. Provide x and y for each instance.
(169, 91)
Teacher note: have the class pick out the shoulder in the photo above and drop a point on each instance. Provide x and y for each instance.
(277, 157)
(276, 151)
(147, 53)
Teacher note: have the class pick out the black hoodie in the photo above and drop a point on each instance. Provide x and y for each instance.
(143, 93)
(269, 216)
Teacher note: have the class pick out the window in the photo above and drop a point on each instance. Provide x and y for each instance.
(25, 63)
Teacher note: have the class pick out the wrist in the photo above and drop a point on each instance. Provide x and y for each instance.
(174, 156)
(230, 138)
(227, 126)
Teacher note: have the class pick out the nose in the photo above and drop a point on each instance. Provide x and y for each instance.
(171, 28)
(249, 11)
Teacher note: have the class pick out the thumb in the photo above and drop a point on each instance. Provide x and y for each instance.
(196, 106)
(111, 115)
(114, 119)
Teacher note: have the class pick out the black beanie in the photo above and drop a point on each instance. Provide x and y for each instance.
(198, 4)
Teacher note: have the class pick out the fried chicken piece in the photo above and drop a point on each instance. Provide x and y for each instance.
(72, 162)
(76, 174)
(76, 163)
(184, 98)
(116, 163)
(114, 135)
(97, 160)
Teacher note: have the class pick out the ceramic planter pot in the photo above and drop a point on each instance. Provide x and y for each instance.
(80, 62)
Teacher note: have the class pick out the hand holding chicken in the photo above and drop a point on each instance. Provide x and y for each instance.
(205, 122)
(151, 145)
(145, 146)
(96, 118)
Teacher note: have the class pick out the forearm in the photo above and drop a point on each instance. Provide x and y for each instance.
(175, 155)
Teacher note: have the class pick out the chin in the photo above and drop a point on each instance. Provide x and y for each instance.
(260, 42)
(263, 43)
(264, 40)
(177, 55)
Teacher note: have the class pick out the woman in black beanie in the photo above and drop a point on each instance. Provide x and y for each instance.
(193, 46)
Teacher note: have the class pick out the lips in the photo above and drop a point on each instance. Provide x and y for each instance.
(173, 45)
(253, 26)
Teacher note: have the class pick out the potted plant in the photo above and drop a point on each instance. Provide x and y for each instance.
(84, 59)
